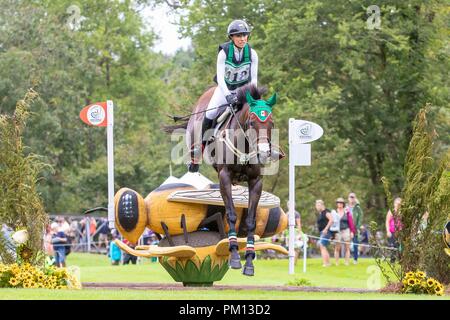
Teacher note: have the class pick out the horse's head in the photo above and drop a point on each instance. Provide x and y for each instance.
(260, 120)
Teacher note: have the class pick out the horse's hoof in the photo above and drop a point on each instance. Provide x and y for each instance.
(235, 261)
(193, 167)
(248, 270)
(235, 264)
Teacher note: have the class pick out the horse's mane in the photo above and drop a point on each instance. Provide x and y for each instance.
(255, 92)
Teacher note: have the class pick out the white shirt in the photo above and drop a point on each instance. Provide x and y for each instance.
(221, 58)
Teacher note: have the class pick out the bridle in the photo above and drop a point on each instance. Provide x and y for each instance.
(244, 158)
(253, 117)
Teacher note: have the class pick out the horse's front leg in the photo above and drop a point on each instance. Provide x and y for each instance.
(255, 189)
(225, 191)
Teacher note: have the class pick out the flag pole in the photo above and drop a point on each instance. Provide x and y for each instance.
(291, 216)
(110, 147)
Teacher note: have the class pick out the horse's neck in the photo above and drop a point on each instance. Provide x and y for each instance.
(242, 116)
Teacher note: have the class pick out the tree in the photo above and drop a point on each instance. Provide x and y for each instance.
(364, 87)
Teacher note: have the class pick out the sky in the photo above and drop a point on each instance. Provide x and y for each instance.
(160, 20)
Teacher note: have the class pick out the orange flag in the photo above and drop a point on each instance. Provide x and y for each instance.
(95, 114)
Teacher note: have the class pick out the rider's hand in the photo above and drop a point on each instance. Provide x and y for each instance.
(232, 99)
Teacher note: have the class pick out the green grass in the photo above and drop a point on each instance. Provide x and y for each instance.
(93, 294)
(97, 268)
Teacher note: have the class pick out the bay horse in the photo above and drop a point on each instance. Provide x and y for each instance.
(249, 149)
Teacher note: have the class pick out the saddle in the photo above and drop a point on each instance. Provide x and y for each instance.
(220, 122)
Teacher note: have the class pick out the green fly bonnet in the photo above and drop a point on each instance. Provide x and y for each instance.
(262, 109)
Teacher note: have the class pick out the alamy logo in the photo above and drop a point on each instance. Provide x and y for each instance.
(374, 19)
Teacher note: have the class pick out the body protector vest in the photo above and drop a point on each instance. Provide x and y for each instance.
(237, 73)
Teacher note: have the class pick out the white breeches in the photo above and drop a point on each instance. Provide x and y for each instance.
(217, 99)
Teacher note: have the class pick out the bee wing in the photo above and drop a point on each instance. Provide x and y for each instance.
(222, 248)
(155, 251)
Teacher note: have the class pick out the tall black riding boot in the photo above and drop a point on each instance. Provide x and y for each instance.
(207, 124)
(196, 150)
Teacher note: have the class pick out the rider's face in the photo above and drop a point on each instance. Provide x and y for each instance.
(239, 40)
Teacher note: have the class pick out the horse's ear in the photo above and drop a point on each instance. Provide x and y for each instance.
(249, 98)
(272, 100)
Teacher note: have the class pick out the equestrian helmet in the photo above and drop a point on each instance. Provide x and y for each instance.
(237, 27)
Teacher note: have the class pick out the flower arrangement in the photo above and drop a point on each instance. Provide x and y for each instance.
(418, 283)
(27, 276)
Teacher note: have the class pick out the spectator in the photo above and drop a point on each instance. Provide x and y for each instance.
(92, 225)
(73, 227)
(84, 223)
(48, 246)
(364, 233)
(298, 236)
(335, 225)
(346, 230)
(114, 251)
(379, 238)
(103, 232)
(63, 225)
(127, 258)
(154, 241)
(146, 237)
(324, 221)
(73, 234)
(59, 242)
(298, 222)
(393, 225)
(357, 215)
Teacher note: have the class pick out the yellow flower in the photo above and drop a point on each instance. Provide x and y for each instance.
(13, 281)
(439, 291)
(420, 274)
(431, 282)
(411, 282)
(409, 274)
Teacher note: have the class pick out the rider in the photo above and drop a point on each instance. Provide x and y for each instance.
(237, 65)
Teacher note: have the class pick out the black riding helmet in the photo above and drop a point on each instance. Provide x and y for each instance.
(237, 27)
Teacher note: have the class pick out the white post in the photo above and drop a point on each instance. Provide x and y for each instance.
(291, 207)
(110, 147)
(305, 252)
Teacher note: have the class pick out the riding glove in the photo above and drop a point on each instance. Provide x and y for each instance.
(232, 99)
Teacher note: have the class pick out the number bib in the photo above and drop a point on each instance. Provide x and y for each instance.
(235, 75)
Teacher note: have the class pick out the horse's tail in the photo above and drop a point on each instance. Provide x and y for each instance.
(171, 128)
